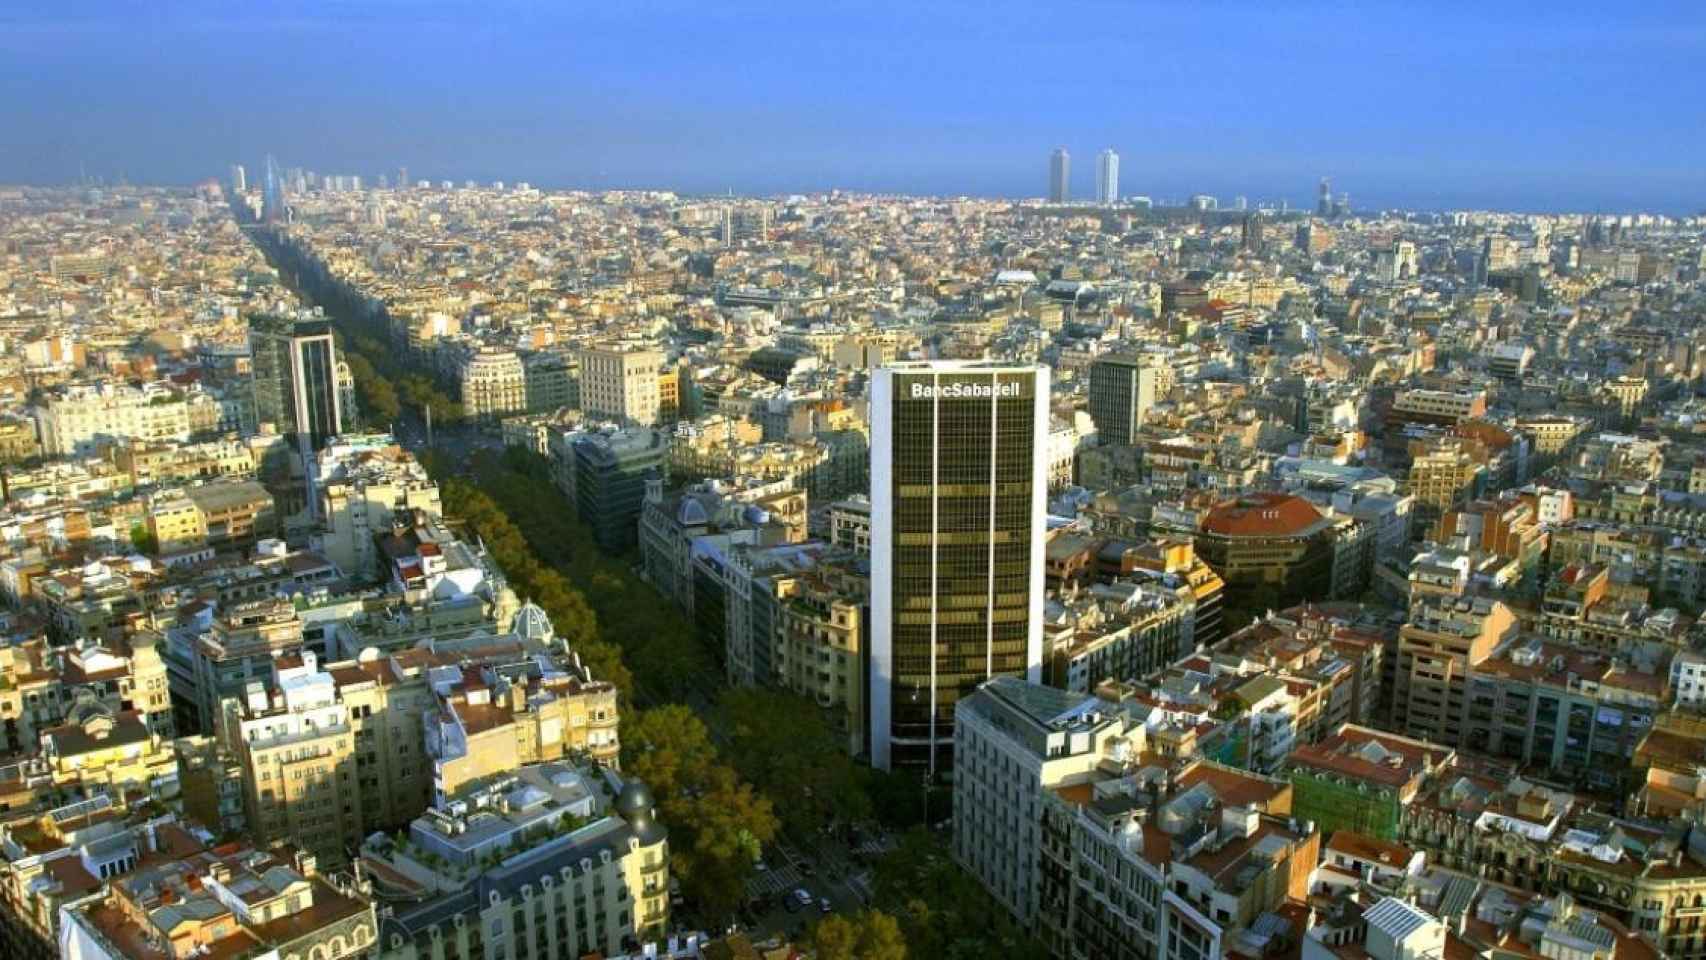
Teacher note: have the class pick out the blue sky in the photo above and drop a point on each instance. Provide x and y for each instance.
(1524, 106)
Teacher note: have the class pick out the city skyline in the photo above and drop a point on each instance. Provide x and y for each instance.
(672, 482)
(1593, 102)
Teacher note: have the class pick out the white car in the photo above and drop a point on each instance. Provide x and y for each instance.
(801, 897)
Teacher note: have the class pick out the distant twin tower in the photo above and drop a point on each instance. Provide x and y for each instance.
(1107, 176)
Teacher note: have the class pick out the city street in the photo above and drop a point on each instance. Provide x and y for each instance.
(825, 869)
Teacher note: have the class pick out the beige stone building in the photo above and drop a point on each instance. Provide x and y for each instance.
(515, 713)
(40, 684)
(176, 524)
(296, 747)
(622, 384)
(565, 872)
(1445, 639)
(494, 383)
(818, 651)
(362, 492)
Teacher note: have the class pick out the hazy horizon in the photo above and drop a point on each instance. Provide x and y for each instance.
(1540, 108)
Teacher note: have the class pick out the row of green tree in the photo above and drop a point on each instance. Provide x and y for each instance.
(385, 382)
(669, 663)
(779, 765)
(383, 389)
(571, 615)
(732, 767)
(718, 822)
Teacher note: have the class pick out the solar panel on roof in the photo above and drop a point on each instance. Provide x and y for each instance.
(1395, 918)
(80, 809)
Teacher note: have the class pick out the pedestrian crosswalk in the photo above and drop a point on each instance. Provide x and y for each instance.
(768, 883)
(860, 884)
(876, 846)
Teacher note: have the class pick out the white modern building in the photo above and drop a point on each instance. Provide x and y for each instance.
(1108, 178)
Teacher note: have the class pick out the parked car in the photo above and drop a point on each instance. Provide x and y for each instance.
(823, 905)
(802, 897)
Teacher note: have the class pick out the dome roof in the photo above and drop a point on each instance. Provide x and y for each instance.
(635, 805)
(635, 799)
(1263, 515)
(532, 623)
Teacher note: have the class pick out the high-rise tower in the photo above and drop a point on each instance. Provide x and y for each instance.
(959, 465)
(1251, 238)
(295, 370)
(1059, 175)
(1122, 391)
(272, 193)
(1324, 198)
(1108, 177)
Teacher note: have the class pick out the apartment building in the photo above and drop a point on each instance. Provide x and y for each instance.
(235, 513)
(493, 383)
(1331, 658)
(64, 856)
(1445, 474)
(1361, 779)
(511, 700)
(101, 750)
(822, 643)
(211, 656)
(40, 684)
(234, 900)
(328, 754)
(621, 384)
(77, 419)
(552, 870)
(88, 599)
(1444, 640)
(1435, 407)
(1577, 713)
(747, 585)
(364, 486)
(1123, 630)
(176, 525)
(850, 524)
(747, 510)
(706, 447)
(1483, 819)
(1013, 742)
(18, 440)
(294, 741)
(1554, 436)
(157, 463)
(1582, 607)
(1142, 856)
(551, 381)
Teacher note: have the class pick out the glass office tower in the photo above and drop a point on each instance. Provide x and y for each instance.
(958, 480)
(295, 370)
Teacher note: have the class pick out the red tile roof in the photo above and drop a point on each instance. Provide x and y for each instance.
(1262, 515)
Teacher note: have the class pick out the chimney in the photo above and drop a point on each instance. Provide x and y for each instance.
(306, 864)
